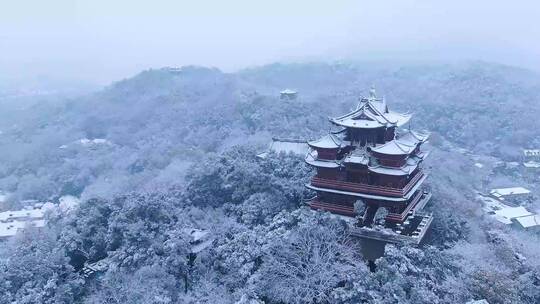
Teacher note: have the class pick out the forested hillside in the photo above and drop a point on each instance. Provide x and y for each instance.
(170, 150)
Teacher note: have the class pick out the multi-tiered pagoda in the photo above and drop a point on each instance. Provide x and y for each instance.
(370, 169)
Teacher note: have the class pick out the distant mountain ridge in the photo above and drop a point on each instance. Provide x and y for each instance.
(162, 118)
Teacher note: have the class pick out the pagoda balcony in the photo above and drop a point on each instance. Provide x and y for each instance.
(333, 208)
(417, 203)
(367, 188)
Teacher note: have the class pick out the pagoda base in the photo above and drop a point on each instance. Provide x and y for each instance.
(411, 233)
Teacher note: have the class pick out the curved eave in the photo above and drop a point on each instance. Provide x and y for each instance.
(406, 170)
(329, 141)
(361, 124)
(393, 148)
(398, 152)
(310, 160)
(403, 120)
(314, 145)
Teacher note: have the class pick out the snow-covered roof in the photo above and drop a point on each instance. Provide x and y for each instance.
(490, 204)
(403, 145)
(289, 146)
(8, 229)
(288, 91)
(528, 221)
(408, 168)
(512, 212)
(329, 141)
(531, 164)
(413, 137)
(21, 214)
(311, 159)
(483, 301)
(95, 141)
(371, 113)
(501, 192)
(200, 239)
(394, 147)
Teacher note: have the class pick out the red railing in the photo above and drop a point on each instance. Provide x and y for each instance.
(365, 188)
(334, 208)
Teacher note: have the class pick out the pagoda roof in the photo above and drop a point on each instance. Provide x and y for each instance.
(413, 137)
(410, 165)
(311, 159)
(403, 145)
(394, 147)
(329, 141)
(371, 113)
(357, 157)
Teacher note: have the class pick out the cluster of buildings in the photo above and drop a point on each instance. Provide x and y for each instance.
(505, 206)
(32, 215)
(531, 158)
(11, 222)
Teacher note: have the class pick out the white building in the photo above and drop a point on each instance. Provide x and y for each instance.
(288, 94)
(491, 205)
(12, 222)
(510, 194)
(508, 214)
(531, 153)
(528, 222)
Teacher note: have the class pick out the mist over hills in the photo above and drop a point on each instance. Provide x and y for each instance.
(160, 120)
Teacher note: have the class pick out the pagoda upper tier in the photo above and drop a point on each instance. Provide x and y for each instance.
(371, 113)
(400, 156)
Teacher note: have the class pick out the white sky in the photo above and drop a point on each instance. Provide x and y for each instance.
(104, 40)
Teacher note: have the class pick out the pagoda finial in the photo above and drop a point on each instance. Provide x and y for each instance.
(372, 94)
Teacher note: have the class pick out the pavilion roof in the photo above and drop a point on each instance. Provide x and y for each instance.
(403, 145)
(311, 159)
(408, 168)
(329, 141)
(371, 113)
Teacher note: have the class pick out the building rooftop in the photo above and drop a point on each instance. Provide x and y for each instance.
(528, 221)
(371, 113)
(288, 91)
(295, 146)
(311, 159)
(531, 164)
(483, 301)
(403, 145)
(501, 192)
(9, 229)
(490, 204)
(329, 141)
(506, 215)
(21, 214)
